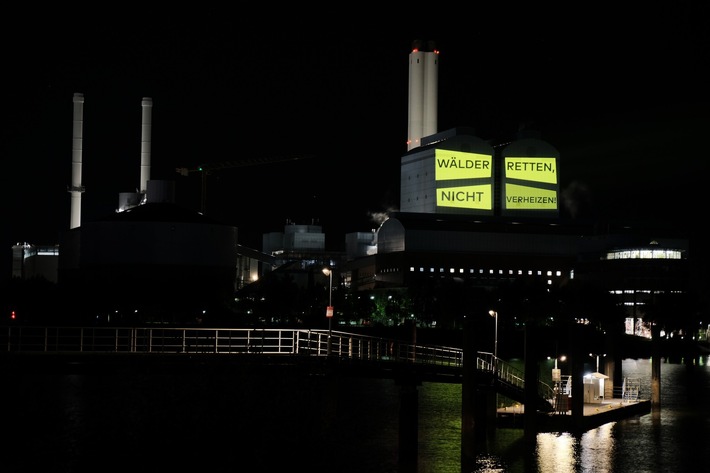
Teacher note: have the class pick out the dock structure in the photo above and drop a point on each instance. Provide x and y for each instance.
(594, 415)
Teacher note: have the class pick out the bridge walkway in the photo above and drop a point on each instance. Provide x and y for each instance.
(357, 353)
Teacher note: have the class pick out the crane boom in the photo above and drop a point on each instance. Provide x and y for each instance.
(208, 168)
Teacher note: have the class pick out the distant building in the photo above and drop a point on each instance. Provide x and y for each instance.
(151, 258)
(304, 243)
(32, 261)
(486, 215)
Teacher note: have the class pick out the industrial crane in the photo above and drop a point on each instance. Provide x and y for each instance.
(207, 169)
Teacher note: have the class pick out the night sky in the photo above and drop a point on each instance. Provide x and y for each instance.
(623, 97)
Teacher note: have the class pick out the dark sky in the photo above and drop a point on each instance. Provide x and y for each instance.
(622, 96)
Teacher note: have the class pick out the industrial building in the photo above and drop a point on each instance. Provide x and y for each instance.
(485, 214)
(473, 211)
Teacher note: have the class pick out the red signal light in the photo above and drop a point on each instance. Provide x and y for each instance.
(13, 315)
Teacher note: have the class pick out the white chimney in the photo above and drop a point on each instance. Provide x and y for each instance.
(423, 89)
(76, 189)
(147, 105)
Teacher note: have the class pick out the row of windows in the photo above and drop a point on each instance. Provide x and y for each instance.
(644, 291)
(500, 272)
(644, 254)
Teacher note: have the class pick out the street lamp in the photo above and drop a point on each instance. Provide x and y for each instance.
(329, 310)
(557, 373)
(561, 358)
(597, 355)
(494, 314)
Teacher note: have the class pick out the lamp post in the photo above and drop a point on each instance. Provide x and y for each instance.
(597, 355)
(561, 358)
(329, 311)
(556, 373)
(494, 314)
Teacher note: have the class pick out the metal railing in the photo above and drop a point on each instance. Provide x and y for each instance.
(631, 389)
(511, 377)
(271, 341)
(267, 341)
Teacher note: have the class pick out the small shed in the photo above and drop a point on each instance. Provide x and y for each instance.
(594, 387)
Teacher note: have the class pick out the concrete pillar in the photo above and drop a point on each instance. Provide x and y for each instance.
(655, 367)
(532, 379)
(473, 432)
(408, 422)
(576, 359)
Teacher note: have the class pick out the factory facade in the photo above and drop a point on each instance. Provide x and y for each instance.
(479, 214)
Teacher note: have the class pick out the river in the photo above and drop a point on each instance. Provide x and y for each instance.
(123, 421)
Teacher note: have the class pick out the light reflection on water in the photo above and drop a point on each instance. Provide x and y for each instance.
(555, 450)
(69, 423)
(666, 441)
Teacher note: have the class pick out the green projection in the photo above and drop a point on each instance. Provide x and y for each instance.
(474, 174)
(532, 169)
(478, 183)
(530, 183)
(459, 165)
(529, 198)
(466, 197)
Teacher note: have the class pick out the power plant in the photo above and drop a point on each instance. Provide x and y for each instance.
(472, 213)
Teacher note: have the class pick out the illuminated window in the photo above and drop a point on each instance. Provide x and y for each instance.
(644, 253)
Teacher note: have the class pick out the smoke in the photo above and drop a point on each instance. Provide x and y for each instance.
(576, 199)
(378, 218)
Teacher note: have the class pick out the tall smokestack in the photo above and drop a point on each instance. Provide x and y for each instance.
(423, 85)
(146, 125)
(76, 189)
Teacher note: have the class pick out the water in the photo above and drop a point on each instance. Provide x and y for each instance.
(671, 440)
(251, 422)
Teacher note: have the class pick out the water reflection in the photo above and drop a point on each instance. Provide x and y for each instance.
(556, 450)
(597, 448)
(665, 440)
(63, 423)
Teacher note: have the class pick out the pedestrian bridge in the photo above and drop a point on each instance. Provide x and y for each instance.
(351, 353)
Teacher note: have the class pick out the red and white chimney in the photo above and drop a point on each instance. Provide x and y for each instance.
(423, 88)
